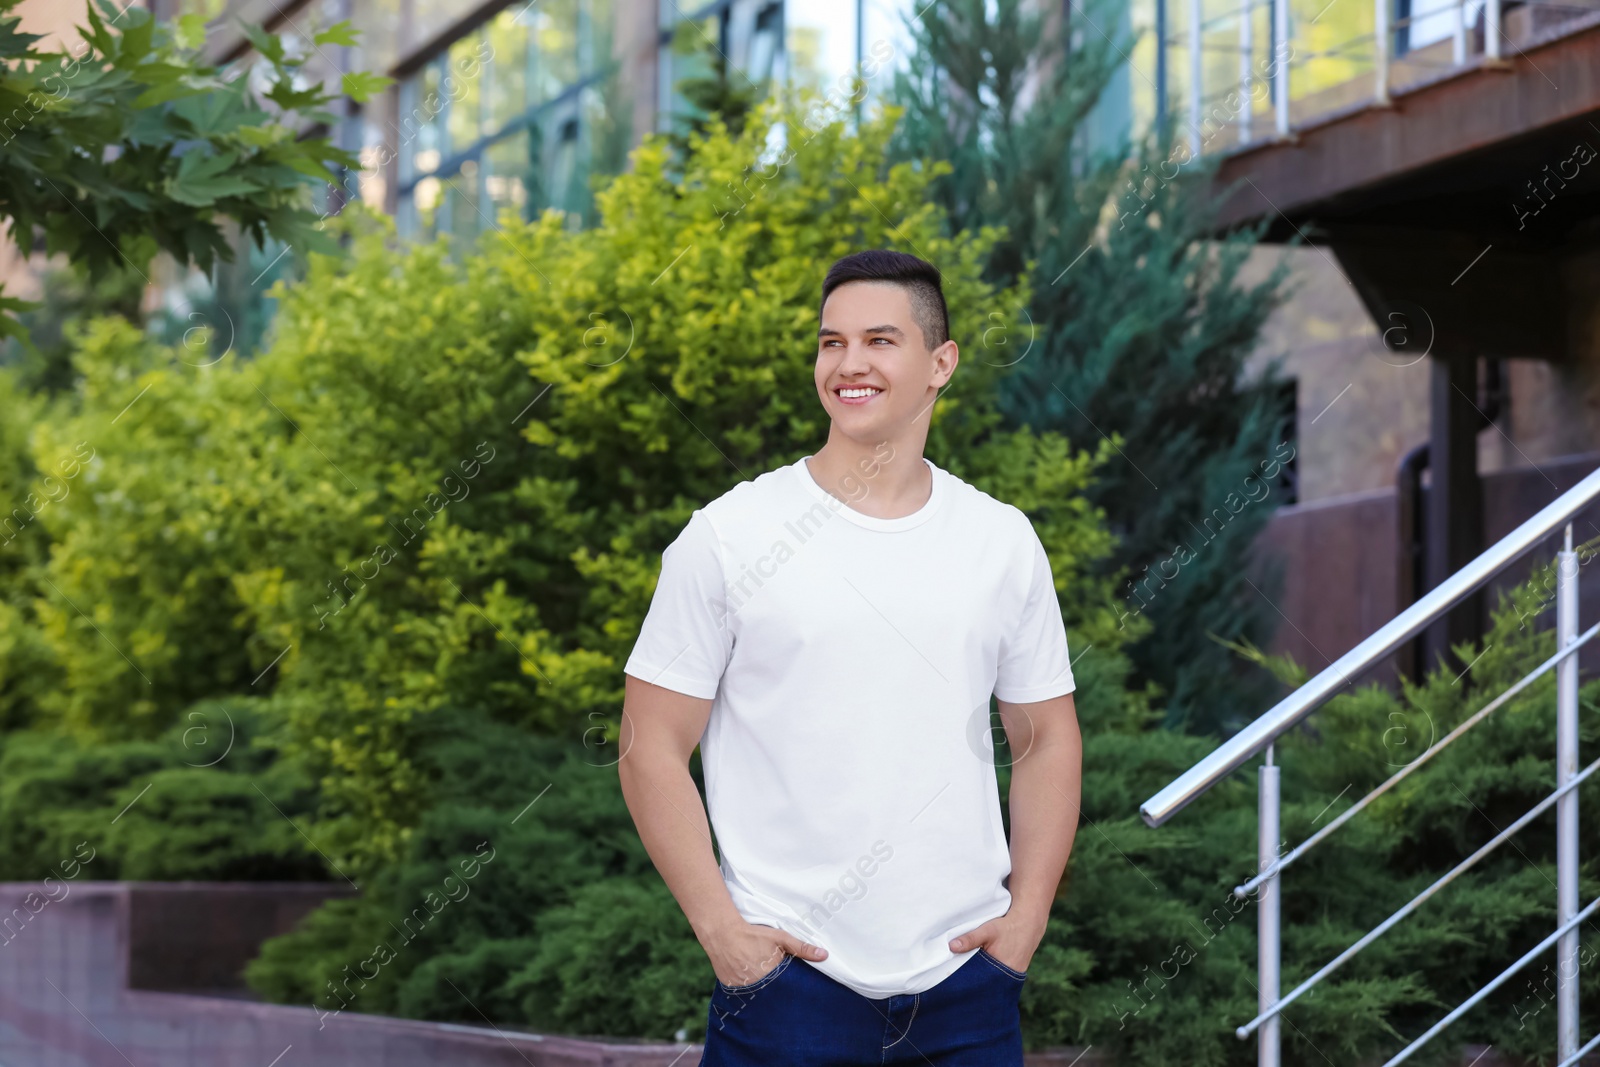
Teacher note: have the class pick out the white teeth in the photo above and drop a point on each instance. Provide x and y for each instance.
(859, 392)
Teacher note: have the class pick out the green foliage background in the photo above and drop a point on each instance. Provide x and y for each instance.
(398, 560)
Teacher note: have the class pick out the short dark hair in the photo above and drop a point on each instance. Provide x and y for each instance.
(919, 278)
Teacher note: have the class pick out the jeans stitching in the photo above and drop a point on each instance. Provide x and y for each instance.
(1001, 967)
(916, 999)
(759, 982)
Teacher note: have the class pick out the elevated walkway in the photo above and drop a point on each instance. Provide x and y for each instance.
(108, 974)
(1446, 155)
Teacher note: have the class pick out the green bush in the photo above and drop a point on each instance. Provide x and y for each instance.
(207, 799)
(450, 481)
(566, 915)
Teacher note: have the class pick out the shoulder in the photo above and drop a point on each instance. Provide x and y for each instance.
(750, 500)
(1000, 519)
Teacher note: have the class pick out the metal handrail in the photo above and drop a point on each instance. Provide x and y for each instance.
(1415, 902)
(1234, 752)
(1581, 1053)
(1349, 813)
(1489, 987)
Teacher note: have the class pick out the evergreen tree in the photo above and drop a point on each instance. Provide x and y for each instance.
(713, 90)
(1138, 327)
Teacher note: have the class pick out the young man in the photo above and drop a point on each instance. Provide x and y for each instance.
(830, 634)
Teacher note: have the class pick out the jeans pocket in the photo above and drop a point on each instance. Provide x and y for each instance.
(751, 987)
(1010, 972)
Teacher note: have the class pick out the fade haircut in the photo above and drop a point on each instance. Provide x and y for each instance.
(917, 277)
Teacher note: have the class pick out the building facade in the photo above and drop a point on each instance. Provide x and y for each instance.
(519, 103)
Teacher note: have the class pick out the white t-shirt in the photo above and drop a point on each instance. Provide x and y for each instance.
(848, 758)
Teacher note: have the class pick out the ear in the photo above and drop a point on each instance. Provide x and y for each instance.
(945, 358)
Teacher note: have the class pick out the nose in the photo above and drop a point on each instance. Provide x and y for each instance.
(856, 359)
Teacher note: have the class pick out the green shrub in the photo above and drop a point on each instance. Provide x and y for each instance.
(208, 799)
(450, 481)
(542, 927)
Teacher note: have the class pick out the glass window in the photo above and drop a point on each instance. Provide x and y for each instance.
(766, 42)
(607, 129)
(533, 78)
(425, 198)
(431, 18)
(466, 203)
(1126, 106)
(418, 129)
(506, 69)
(377, 46)
(599, 23)
(463, 81)
(566, 190)
(885, 43)
(821, 45)
(691, 55)
(1147, 66)
(371, 183)
(508, 164)
(553, 28)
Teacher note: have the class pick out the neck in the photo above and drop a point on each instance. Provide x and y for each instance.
(886, 479)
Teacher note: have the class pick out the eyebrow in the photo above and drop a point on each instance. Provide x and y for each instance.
(828, 331)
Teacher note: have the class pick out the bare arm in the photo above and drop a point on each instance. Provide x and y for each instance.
(1046, 789)
(660, 730)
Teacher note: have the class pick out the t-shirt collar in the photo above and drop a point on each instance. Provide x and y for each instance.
(839, 507)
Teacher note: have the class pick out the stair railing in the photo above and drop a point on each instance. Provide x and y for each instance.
(1259, 736)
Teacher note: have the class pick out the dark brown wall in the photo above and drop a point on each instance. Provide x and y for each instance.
(1339, 560)
(198, 936)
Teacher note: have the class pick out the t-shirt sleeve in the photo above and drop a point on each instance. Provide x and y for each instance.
(684, 643)
(1034, 664)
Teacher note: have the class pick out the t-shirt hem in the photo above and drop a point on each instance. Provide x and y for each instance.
(878, 991)
(678, 683)
(1037, 693)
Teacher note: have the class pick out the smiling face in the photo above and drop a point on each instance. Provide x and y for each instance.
(875, 375)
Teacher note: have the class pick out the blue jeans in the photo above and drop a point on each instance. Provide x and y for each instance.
(796, 1016)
